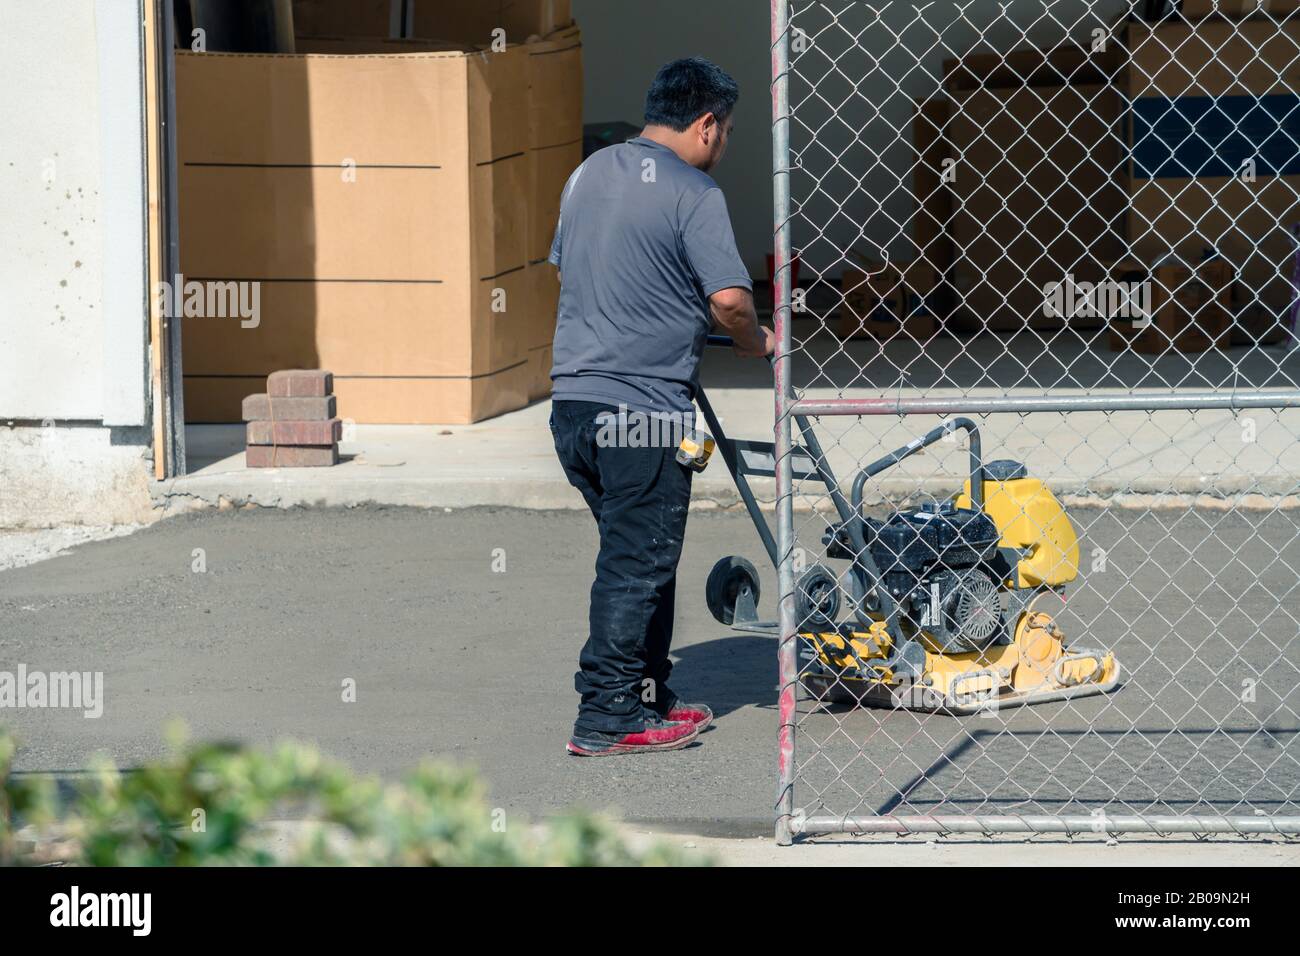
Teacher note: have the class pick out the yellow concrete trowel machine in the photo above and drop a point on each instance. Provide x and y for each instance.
(950, 603)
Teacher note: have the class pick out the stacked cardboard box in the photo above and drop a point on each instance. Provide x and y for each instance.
(1190, 307)
(554, 50)
(886, 300)
(467, 21)
(1036, 192)
(1214, 159)
(554, 151)
(293, 425)
(355, 18)
(474, 21)
(1199, 9)
(931, 161)
(1065, 161)
(388, 195)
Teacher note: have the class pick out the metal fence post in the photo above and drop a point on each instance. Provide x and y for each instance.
(787, 665)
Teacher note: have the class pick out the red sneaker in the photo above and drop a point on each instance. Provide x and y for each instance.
(658, 735)
(697, 714)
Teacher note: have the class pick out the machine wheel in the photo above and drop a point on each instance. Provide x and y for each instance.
(816, 600)
(730, 577)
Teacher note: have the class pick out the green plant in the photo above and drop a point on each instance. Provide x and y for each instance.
(26, 798)
(220, 803)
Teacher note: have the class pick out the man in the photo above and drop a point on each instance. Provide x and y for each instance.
(646, 256)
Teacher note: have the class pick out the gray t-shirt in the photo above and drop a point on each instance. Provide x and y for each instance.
(643, 240)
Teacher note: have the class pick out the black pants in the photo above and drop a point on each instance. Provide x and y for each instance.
(639, 497)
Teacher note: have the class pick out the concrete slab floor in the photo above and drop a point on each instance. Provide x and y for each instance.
(923, 852)
(509, 460)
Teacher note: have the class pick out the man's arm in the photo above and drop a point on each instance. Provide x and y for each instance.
(733, 313)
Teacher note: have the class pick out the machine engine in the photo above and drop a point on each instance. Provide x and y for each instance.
(942, 565)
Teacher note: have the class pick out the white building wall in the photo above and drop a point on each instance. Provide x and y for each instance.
(73, 282)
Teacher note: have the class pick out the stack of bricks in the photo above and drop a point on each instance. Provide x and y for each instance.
(293, 425)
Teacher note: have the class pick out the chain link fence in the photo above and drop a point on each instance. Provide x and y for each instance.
(1045, 249)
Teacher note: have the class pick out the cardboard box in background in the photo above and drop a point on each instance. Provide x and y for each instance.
(555, 88)
(554, 152)
(465, 21)
(1055, 114)
(351, 46)
(1122, 297)
(549, 168)
(554, 129)
(1037, 198)
(1215, 281)
(1191, 310)
(347, 18)
(544, 291)
(385, 272)
(1229, 96)
(933, 200)
(885, 300)
(1255, 325)
(1068, 63)
(1236, 9)
(473, 21)
(288, 153)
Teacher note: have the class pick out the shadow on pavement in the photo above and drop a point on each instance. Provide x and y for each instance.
(727, 673)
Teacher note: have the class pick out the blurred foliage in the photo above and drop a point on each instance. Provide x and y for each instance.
(224, 804)
(21, 798)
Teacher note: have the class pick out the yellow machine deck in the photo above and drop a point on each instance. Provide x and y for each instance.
(1034, 668)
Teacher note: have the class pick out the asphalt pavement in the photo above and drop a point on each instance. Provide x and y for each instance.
(461, 631)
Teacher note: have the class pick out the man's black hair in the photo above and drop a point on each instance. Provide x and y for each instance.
(684, 90)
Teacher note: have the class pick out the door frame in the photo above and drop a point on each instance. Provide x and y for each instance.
(166, 378)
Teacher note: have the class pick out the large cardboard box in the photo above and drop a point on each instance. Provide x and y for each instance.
(473, 21)
(382, 204)
(544, 284)
(1068, 63)
(554, 152)
(347, 18)
(930, 192)
(554, 130)
(554, 113)
(886, 300)
(1035, 199)
(1190, 311)
(555, 88)
(466, 21)
(1214, 158)
(1037, 195)
(1199, 9)
(350, 46)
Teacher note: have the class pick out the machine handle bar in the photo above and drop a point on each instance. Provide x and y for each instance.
(727, 342)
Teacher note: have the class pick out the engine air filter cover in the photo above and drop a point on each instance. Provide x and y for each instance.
(971, 610)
